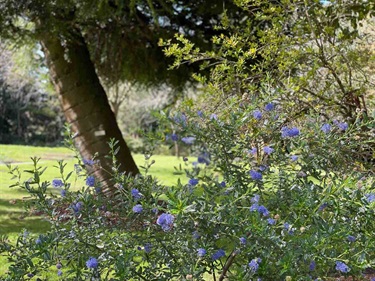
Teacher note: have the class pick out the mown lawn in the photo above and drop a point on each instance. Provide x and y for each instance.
(13, 218)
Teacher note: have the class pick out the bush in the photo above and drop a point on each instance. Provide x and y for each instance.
(266, 200)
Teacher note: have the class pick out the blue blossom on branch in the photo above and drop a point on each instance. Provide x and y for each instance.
(268, 150)
(138, 209)
(90, 181)
(287, 132)
(242, 240)
(136, 194)
(326, 128)
(269, 107)
(174, 137)
(294, 158)
(193, 182)
(201, 252)
(218, 254)
(165, 220)
(92, 263)
(255, 175)
(370, 197)
(57, 183)
(257, 114)
(88, 162)
(254, 264)
(342, 267)
(351, 238)
(263, 211)
(312, 266)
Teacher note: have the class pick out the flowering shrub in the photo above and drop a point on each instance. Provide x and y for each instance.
(266, 200)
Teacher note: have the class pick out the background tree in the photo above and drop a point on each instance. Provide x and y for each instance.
(305, 56)
(84, 39)
(29, 112)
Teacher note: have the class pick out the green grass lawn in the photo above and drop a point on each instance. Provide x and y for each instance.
(12, 216)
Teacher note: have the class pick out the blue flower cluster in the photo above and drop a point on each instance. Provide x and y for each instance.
(136, 194)
(193, 182)
(342, 267)
(287, 132)
(165, 220)
(201, 252)
(92, 263)
(137, 209)
(218, 254)
(255, 175)
(254, 264)
(90, 181)
(56, 183)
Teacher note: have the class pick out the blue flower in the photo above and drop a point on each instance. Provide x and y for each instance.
(271, 221)
(90, 181)
(136, 194)
(351, 238)
(147, 247)
(370, 197)
(58, 265)
(263, 211)
(92, 263)
(57, 183)
(326, 128)
(59, 273)
(174, 137)
(342, 267)
(165, 221)
(287, 132)
(38, 241)
(254, 207)
(312, 266)
(180, 119)
(88, 162)
(63, 193)
(255, 199)
(242, 240)
(223, 184)
(138, 209)
(193, 182)
(77, 207)
(294, 158)
(204, 158)
(257, 114)
(201, 252)
(188, 140)
(218, 254)
(254, 264)
(268, 150)
(323, 206)
(200, 113)
(343, 126)
(213, 116)
(269, 107)
(263, 168)
(253, 151)
(255, 175)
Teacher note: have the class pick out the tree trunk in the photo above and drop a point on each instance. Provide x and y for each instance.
(85, 103)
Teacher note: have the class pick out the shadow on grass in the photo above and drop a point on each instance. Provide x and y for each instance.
(14, 218)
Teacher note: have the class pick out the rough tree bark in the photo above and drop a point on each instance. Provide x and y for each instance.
(85, 103)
